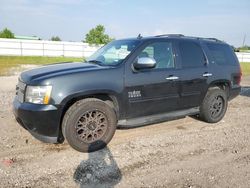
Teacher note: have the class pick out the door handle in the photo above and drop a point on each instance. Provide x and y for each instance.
(206, 74)
(172, 78)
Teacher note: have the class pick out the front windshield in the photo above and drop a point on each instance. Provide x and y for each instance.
(114, 52)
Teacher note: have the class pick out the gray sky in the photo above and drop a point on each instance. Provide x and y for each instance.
(228, 20)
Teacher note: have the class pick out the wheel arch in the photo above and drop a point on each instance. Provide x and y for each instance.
(105, 96)
(222, 84)
(110, 97)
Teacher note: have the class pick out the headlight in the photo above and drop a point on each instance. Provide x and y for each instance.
(38, 94)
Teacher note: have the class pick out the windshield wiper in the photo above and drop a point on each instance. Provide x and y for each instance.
(95, 62)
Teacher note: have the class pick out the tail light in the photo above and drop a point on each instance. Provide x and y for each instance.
(239, 77)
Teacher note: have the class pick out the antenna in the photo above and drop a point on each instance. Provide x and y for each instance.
(139, 36)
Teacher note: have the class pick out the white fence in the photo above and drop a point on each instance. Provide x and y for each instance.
(53, 48)
(243, 56)
(17, 47)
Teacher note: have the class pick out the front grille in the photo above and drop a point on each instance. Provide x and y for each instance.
(20, 89)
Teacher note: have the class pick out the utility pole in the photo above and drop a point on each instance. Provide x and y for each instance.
(244, 39)
(243, 44)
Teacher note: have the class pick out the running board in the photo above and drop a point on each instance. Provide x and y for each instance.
(146, 120)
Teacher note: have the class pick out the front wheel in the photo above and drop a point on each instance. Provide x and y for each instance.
(214, 105)
(89, 125)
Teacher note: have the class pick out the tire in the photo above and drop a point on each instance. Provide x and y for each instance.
(89, 125)
(214, 105)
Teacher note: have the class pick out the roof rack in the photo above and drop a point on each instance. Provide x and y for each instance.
(215, 39)
(191, 37)
(170, 35)
(204, 38)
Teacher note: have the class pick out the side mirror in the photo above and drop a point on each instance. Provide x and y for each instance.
(145, 63)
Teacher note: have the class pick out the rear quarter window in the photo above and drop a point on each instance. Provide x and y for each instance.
(221, 54)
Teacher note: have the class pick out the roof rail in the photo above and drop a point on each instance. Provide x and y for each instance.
(215, 39)
(191, 37)
(170, 35)
(204, 38)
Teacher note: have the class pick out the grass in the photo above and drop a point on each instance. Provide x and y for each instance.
(245, 67)
(244, 50)
(8, 64)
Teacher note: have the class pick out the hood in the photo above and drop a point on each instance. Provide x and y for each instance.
(57, 70)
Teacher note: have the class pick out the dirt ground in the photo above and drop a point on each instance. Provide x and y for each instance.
(179, 153)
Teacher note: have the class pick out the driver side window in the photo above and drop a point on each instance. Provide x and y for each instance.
(162, 53)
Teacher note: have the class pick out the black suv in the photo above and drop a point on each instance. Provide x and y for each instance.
(129, 82)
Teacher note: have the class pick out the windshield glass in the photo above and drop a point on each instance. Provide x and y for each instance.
(114, 52)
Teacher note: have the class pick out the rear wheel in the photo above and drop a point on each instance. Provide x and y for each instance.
(89, 125)
(214, 105)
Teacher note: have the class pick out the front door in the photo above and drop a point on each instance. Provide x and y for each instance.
(155, 90)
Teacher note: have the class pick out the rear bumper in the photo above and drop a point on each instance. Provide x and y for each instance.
(234, 92)
(42, 121)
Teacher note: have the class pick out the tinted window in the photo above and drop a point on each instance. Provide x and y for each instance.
(221, 54)
(191, 54)
(162, 53)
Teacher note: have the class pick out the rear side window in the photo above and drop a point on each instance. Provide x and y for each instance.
(221, 54)
(191, 54)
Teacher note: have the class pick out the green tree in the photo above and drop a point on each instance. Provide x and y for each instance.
(97, 36)
(55, 38)
(6, 33)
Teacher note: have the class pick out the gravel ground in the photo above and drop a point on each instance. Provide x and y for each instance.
(179, 153)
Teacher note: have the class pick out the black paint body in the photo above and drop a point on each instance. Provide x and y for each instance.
(74, 81)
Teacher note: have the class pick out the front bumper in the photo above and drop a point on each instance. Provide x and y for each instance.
(42, 121)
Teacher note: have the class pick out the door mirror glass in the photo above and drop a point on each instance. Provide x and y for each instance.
(145, 63)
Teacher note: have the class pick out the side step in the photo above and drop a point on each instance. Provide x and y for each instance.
(146, 120)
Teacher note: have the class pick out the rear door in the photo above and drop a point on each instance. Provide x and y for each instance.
(194, 73)
(152, 91)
